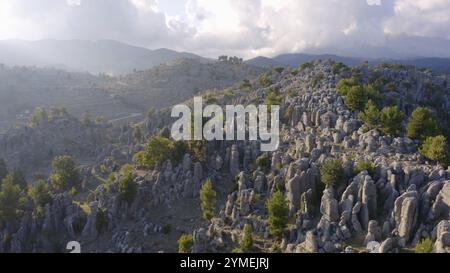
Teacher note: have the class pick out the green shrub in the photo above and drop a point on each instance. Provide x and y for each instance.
(424, 246)
(436, 148)
(102, 221)
(278, 209)
(344, 85)
(208, 198)
(279, 69)
(273, 98)
(331, 172)
(246, 84)
(11, 200)
(39, 116)
(65, 173)
(246, 244)
(421, 124)
(371, 115)
(185, 243)
(391, 120)
(167, 229)
(356, 98)
(127, 188)
(337, 67)
(160, 149)
(372, 94)
(263, 161)
(364, 165)
(40, 193)
(3, 169)
(306, 65)
(264, 80)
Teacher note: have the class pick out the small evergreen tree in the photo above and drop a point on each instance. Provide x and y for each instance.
(422, 124)
(436, 148)
(356, 98)
(3, 169)
(391, 120)
(371, 115)
(344, 85)
(365, 165)
(127, 188)
(40, 193)
(208, 200)
(264, 80)
(11, 200)
(263, 161)
(278, 208)
(160, 149)
(185, 243)
(65, 173)
(331, 172)
(137, 133)
(246, 244)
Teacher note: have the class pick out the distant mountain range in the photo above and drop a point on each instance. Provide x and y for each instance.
(103, 56)
(438, 65)
(112, 57)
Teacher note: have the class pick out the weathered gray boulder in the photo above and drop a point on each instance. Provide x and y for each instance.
(405, 215)
(310, 244)
(329, 205)
(442, 244)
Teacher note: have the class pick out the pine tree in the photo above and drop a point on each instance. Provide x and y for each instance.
(356, 98)
(185, 243)
(422, 124)
(208, 200)
(246, 244)
(331, 172)
(436, 148)
(391, 120)
(11, 200)
(371, 115)
(40, 193)
(127, 188)
(65, 174)
(278, 208)
(137, 133)
(3, 169)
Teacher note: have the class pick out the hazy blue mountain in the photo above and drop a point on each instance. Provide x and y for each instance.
(103, 56)
(438, 65)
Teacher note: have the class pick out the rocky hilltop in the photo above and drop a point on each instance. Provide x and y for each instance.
(339, 182)
(112, 97)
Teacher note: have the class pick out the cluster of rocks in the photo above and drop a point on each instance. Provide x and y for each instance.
(27, 147)
(400, 204)
(404, 200)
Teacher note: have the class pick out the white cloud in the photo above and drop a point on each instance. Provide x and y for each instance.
(421, 17)
(241, 27)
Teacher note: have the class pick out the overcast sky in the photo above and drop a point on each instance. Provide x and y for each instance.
(241, 27)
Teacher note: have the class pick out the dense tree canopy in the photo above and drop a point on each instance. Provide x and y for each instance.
(11, 200)
(422, 124)
(65, 173)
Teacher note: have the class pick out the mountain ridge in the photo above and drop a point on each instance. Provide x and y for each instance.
(101, 56)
